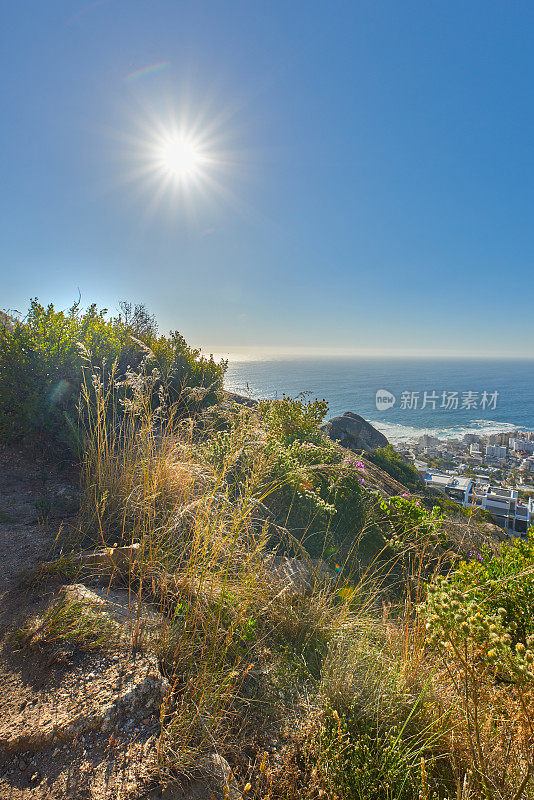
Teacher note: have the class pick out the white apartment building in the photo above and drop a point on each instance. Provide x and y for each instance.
(496, 451)
(522, 445)
(509, 512)
(454, 486)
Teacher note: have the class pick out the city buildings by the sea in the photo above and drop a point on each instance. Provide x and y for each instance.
(495, 474)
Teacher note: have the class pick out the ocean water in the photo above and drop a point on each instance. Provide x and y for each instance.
(351, 384)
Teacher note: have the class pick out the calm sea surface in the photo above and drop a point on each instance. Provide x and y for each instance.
(350, 384)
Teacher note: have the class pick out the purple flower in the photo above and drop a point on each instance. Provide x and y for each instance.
(474, 554)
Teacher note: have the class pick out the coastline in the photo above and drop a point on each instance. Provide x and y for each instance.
(483, 428)
(351, 384)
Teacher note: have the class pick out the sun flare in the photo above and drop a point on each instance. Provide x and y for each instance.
(179, 160)
(180, 157)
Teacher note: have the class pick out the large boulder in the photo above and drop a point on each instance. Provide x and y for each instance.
(354, 432)
(232, 397)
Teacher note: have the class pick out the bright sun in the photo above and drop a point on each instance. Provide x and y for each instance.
(178, 160)
(180, 157)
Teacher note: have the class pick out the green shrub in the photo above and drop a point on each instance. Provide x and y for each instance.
(402, 541)
(477, 648)
(433, 498)
(292, 419)
(359, 762)
(320, 494)
(410, 522)
(6, 321)
(42, 361)
(502, 582)
(392, 462)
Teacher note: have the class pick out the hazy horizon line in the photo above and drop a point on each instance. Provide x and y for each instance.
(278, 353)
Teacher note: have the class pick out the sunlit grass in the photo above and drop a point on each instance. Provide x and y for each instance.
(246, 655)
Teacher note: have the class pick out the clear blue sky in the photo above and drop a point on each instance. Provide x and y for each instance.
(371, 183)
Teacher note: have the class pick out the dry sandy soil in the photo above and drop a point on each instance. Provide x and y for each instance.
(28, 490)
(55, 738)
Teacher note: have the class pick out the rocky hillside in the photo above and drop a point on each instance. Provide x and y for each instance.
(224, 600)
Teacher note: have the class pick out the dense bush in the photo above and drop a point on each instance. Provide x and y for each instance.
(410, 522)
(477, 649)
(320, 494)
(322, 498)
(502, 582)
(392, 462)
(359, 762)
(294, 419)
(6, 321)
(42, 361)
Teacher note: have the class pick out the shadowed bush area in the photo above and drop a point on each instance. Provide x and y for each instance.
(43, 356)
(392, 462)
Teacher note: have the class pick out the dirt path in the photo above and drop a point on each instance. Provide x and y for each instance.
(34, 500)
(44, 692)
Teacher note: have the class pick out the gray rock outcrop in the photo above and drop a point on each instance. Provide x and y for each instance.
(354, 432)
(240, 399)
(120, 607)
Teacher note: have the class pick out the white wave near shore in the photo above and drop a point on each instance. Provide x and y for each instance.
(407, 433)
